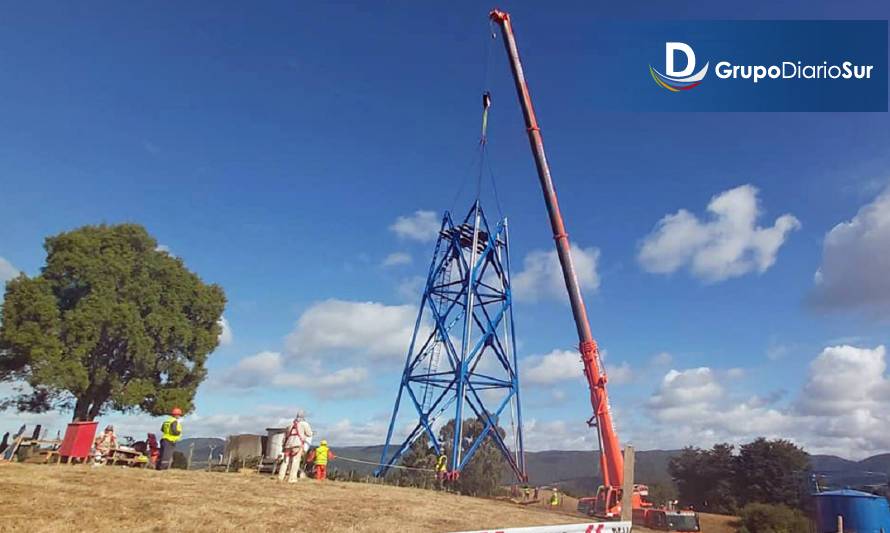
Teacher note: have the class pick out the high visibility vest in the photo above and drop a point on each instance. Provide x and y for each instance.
(321, 455)
(554, 499)
(171, 429)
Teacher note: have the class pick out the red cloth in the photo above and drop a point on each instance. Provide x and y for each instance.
(321, 471)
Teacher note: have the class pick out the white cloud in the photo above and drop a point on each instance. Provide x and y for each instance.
(7, 271)
(855, 260)
(844, 379)
(359, 328)
(728, 245)
(661, 359)
(541, 276)
(843, 408)
(620, 374)
(410, 289)
(225, 336)
(562, 365)
(556, 366)
(422, 226)
(269, 369)
(396, 259)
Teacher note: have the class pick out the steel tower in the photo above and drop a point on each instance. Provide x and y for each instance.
(462, 359)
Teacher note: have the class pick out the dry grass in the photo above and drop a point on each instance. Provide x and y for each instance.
(77, 498)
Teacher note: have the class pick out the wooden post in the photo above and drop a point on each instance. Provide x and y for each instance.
(210, 460)
(840, 524)
(628, 487)
(188, 462)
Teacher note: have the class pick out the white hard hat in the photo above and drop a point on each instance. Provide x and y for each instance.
(300, 414)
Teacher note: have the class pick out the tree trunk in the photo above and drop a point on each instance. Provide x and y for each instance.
(81, 409)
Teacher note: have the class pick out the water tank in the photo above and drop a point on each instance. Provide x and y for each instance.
(275, 441)
(862, 512)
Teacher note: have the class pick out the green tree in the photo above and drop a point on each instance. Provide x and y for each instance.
(419, 455)
(704, 478)
(110, 323)
(482, 475)
(768, 471)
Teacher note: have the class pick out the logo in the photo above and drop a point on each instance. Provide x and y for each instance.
(683, 80)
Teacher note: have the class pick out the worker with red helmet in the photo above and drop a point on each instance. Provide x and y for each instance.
(171, 431)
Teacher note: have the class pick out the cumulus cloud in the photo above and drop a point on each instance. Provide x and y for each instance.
(541, 276)
(422, 226)
(360, 328)
(225, 336)
(856, 260)
(562, 365)
(270, 369)
(728, 244)
(661, 359)
(396, 259)
(556, 366)
(843, 407)
(7, 271)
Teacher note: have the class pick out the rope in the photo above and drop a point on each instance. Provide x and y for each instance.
(381, 464)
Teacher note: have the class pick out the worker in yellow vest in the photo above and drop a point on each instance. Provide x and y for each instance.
(322, 455)
(441, 466)
(554, 497)
(171, 432)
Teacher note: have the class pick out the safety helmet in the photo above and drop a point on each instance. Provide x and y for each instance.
(324, 443)
(176, 411)
(109, 427)
(300, 414)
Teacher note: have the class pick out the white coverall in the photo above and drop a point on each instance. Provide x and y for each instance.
(296, 444)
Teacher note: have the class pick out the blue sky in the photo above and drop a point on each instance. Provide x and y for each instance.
(273, 148)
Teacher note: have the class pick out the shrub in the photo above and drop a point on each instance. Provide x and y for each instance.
(767, 518)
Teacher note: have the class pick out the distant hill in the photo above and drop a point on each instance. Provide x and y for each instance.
(578, 471)
(202, 449)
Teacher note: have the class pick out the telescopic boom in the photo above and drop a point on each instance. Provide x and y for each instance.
(611, 460)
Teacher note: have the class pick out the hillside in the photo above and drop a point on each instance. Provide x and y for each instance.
(578, 471)
(78, 498)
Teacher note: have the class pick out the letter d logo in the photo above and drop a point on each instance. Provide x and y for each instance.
(674, 80)
(670, 50)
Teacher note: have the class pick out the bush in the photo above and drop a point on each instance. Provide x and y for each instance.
(766, 518)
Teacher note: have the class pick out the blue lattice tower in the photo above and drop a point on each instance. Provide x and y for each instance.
(462, 364)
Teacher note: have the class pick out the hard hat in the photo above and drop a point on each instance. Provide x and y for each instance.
(324, 443)
(300, 414)
(176, 411)
(109, 427)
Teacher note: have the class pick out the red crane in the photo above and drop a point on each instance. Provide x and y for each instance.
(611, 460)
(607, 503)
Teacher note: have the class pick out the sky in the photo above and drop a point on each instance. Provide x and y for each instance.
(301, 155)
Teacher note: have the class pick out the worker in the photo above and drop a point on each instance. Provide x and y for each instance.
(554, 497)
(105, 443)
(536, 494)
(527, 492)
(322, 455)
(171, 432)
(296, 443)
(441, 466)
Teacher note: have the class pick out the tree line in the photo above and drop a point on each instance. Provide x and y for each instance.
(719, 480)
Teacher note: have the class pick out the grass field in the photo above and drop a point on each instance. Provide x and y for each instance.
(78, 498)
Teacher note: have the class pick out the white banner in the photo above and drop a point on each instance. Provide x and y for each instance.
(588, 527)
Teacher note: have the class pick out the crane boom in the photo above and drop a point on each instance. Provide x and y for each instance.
(611, 460)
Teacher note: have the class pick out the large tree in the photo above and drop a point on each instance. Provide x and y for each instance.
(771, 471)
(110, 323)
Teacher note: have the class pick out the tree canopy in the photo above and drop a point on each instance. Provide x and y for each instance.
(720, 481)
(111, 322)
(480, 477)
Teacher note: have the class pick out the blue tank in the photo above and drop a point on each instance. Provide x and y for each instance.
(862, 512)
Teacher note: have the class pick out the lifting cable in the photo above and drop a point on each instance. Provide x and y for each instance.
(350, 459)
